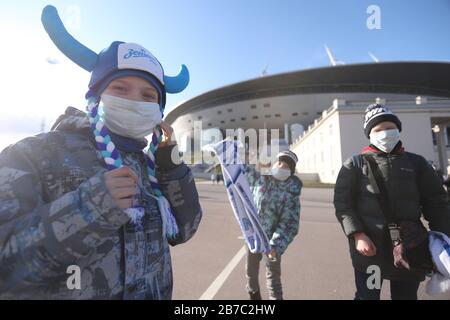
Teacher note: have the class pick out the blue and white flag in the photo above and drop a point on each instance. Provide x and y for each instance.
(240, 195)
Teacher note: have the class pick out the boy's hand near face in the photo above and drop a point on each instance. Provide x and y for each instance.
(121, 183)
(168, 136)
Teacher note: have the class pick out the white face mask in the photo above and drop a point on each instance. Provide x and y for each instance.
(128, 118)
(280, 173)
(385, 140)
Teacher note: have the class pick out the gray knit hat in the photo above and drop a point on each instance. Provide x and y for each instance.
(290, 158)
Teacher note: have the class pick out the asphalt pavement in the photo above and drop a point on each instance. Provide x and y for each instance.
(315, 266)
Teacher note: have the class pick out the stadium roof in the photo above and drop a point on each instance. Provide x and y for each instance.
(418, 78)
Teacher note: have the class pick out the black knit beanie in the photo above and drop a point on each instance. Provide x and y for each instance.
(375, 114)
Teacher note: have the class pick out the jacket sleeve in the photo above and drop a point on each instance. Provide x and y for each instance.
(38, 238)
(178, 186)
(433, 198)
(288, 224)
(344, 199)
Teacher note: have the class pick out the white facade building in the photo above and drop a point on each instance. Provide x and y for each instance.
(319, 112)
(338, 134)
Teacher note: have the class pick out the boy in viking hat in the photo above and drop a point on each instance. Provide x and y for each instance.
(89, 196)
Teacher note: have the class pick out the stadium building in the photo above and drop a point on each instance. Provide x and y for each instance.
(319, 112)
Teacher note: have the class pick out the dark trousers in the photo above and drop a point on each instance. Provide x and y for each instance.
(273, 275)
(400, 290)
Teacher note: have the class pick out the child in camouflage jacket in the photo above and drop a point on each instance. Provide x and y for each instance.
(277, 199)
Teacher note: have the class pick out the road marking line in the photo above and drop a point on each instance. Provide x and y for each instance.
(222, 277)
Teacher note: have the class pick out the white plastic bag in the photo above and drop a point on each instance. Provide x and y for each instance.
(439, 245)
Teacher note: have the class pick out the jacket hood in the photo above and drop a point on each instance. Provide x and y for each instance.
(73, 120)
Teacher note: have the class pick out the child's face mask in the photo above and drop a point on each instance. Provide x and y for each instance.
(385, 140)
(128, 118)
(281, 173)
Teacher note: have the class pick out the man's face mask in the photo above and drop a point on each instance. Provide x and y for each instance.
(128, 118)
(385, 140)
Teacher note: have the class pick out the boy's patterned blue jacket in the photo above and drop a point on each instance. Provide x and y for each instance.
(278, 205)
(55, 211)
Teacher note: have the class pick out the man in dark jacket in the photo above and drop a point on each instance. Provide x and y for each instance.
(414, 191)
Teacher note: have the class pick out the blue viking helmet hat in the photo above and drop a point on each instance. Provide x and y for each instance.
(118, 60)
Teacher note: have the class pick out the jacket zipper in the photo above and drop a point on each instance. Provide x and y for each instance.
(389, 177)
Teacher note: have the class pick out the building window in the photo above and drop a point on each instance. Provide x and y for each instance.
(305, 113)
(255, 117)
(222, 121)
(199, 117)
(243, 118)
(277, 115)
(230, 110)
(331, 156)
(253, 106)
(219, 112)
(209, 124)
(266, 105)
(295, 114)
(233, 120)
(319, 113)
(267, 116)
(189, 120)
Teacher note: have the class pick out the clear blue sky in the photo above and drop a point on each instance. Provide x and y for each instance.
(223, 42)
